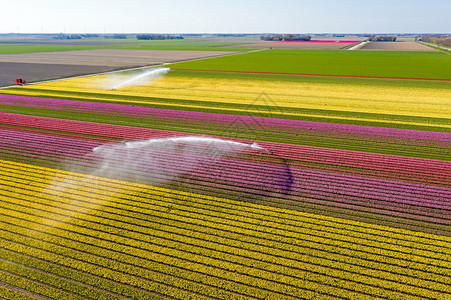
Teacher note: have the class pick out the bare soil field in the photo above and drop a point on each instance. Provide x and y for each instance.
(279, 45)
(32, 72)
(52, 65)
(396, 46)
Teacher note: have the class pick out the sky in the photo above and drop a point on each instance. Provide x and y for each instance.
(225, 16)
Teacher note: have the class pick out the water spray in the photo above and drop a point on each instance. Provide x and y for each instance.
(147, 75)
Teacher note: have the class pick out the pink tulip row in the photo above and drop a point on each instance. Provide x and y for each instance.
(77, 148)
(406, 168)
(189, 116)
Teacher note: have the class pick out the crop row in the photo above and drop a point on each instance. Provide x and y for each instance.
(96, 236)
(192, 116)
(374, 236)
(72, 288)
(240, 171)
(78, 148)
(190, 256)
(418, 170)
(107, 288)
(65, 178)
(260, 179)
(131, 212)
(389, 100)
(347, 137)
(9, 293)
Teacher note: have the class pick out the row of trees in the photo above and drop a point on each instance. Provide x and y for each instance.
(158, 37)
(286, 37)
(63, 36)
(382, 38)
(444, 40)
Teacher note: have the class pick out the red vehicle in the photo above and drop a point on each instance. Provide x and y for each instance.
(20, 81)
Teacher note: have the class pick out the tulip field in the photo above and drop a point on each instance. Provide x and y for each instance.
(341, 190)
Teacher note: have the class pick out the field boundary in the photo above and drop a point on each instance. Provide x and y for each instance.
(309, 74)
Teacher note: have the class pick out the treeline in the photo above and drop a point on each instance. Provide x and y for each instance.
(158, 37)
(286, 37)
(119, 36)
(444, 40)
(75, 36)
(382, 38)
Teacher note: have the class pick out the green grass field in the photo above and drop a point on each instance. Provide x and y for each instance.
(30, 48)
(333, 62)
(131, 44)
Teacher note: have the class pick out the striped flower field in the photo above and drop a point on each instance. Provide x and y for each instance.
(358, 207)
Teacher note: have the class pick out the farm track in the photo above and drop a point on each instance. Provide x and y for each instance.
(73, 209)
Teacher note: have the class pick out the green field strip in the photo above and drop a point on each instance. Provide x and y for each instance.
(9, 292)
(27, 48)
(107, 289)
(40, 289)
(62, 284)
(131, 45)
(361, 63)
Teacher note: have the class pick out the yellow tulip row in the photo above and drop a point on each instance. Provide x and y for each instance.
(74, 290)
(183, 219)
(32, 286)
(123, 234)
(90, 264)
(159, 273)
(409, 101)
(231, 110)
(102, 288)
(161, 212)
(10, 294)
(248, 211)
(435, 251)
